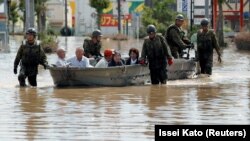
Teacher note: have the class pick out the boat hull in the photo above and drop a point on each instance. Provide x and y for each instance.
(115, 76)
(118, 76)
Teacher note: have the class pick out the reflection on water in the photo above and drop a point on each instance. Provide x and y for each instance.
(121, 113)
(32, 106)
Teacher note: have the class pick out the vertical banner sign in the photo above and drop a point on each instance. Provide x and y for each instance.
(179, 6)
(184, 6)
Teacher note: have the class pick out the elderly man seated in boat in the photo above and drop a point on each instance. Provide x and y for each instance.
(103, 63)
(116, 60)
(61, 62)
(79, 61)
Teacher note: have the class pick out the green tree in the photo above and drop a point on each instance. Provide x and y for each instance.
(219, 29)
(99, 5)
(40, 9)
(13, 15)
(21, 7)
(161, 15)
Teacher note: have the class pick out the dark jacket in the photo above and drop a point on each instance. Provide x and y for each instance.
(92, 49)
(30, 56)
(156, 52)
(112, 63)
(128, 62)
(206, 42)
(176, 39)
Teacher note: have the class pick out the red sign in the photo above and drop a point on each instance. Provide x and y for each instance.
(108, 20)
(111, 20)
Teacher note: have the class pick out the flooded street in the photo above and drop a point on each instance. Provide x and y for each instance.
(120, 113)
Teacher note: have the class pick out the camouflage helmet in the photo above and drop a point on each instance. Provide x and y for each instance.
(204, 22)
(179, 17)
(96, 33)
(151, 28)
(31, 31)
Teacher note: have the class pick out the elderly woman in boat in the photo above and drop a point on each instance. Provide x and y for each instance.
(79, 61)
(116, 60)
(133, 57)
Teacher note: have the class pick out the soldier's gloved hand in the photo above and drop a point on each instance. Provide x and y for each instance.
(15, 70)
(142, 62)
(170, 61)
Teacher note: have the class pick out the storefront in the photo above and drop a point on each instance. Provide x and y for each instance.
(3, 27)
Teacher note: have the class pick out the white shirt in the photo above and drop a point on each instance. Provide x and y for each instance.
(84, 63)
(103, 63)
(61, 62)
(132, 62)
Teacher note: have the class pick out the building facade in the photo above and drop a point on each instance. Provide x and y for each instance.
(4, 34)
(86, 17)
(56, 14)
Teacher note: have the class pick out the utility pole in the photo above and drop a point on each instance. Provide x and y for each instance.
(212, 13)
(66, 18)
(191, 15)
(8, 14)
(206, 9)
(119, 15)
(29, 11)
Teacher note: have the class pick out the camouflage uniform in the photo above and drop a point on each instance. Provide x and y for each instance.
(177, 41)
(206, 42)
(156, 52)
(29, 56)
(91, 49)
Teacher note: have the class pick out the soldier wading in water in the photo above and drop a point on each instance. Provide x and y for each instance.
(30, 54)
(157, 53)
(206, 42)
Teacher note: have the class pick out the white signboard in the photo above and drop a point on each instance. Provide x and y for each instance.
(2, 8)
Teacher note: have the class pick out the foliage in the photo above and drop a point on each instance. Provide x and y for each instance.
(143, 32)
(194, 30)
(227, 29)
(48, 42)
(40, 9)
(51, 31)
(99, 5)
(21, 7)
(13, 14)
(161, 15)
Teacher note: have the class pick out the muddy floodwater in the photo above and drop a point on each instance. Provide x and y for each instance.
(120, 113)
